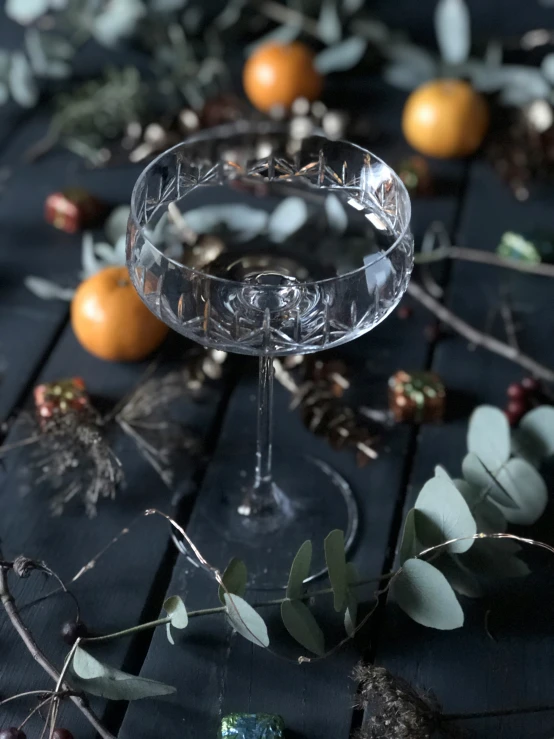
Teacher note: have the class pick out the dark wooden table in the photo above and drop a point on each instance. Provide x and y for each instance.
(214, 671)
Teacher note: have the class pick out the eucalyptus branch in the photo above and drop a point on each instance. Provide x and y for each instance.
(36, 653)
(483, 257)
(477, 337)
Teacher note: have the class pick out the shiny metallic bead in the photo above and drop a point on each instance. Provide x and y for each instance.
(301, 106)
(318, 109)
(252, 726)
(334, 123)
(539, 115)
(188, 120)
(301, 127)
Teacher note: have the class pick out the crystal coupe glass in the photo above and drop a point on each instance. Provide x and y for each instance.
(248, 242)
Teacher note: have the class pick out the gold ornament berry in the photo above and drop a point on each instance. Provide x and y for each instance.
(277, 74)
(445, 119)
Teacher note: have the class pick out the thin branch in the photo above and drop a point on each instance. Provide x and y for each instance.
(35, 709)
(484, 257)
(36, 653)
(27, 693)
(478, 337)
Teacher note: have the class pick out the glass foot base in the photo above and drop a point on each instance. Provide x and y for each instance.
(307, 500)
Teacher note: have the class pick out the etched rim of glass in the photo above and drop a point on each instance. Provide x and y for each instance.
(266, 127)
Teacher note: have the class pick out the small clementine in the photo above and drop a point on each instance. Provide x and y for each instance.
(277, 74)
(110, 320)
(445, 118)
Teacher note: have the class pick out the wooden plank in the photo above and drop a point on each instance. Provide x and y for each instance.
(29, 325)
(116, 593)
(468, 671)
(216, 672)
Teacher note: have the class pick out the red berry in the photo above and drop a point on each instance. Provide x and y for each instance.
(73, 630)
(516, 409)
(12, 733)
(531, 384)
(404, 312)
(516, 391)
(62, 734)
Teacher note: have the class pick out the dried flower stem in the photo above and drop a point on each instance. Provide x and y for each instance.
(478, 337)
(36, 653)
(484, 257)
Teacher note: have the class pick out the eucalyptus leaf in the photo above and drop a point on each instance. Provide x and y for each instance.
(477, 474)
(89, 262)
(409, 545)
(300, 570)
(336, 214)
(342, 56)
(351, 613)
(26, 11)
(57, 69)
(452, 27)
(537, 430)
(230, 14)
(488, 436)
(494, 559)
(287, 218)
(48, 290)
(442, 515)
(302, 626)
(57, 46)
(423, 592)
(169, 635)
(21, 82)
(488, 517)
(460, 577)
(4, 64)
(106, 254)
(234, 579)
(329, 27)
(117, 21)
(116, 223)
(547, 68)
(96, 678)
(284, 34)
(352, 6)
(406, 76)
(167, 6)
(335, 558)
(35, 51)
(244, 222)
(527, 488)
(246, 621)
(372, 30)
(176, 610)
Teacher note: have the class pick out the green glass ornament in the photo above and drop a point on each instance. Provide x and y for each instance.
(252, 726)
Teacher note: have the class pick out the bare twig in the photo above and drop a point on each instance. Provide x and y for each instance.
(477, 337)
(484, 257)
(36, 653)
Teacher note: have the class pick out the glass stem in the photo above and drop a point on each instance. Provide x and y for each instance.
(265, 422)
(261, 496)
